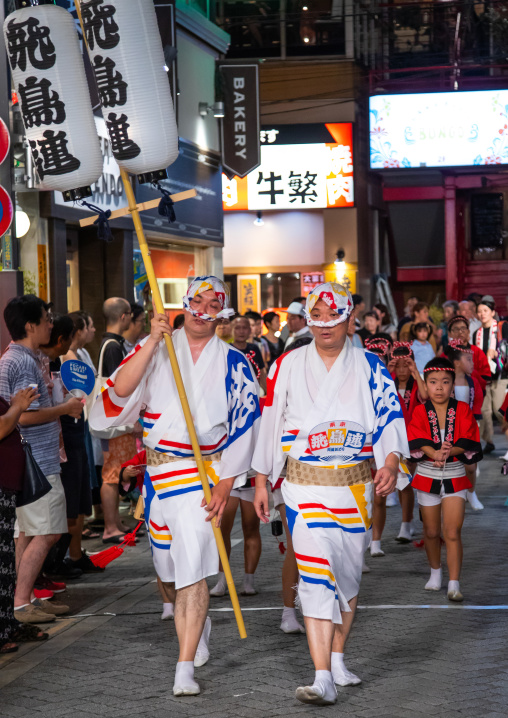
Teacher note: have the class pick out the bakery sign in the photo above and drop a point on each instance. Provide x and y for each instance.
(302, 167)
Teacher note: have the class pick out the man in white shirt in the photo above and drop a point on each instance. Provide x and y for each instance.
(468, 310)
(297, 324)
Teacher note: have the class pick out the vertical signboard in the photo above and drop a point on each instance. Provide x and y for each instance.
(42, 261)
(240, 126)
(249, 293)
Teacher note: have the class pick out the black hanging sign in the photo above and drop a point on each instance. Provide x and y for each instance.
(240, 126)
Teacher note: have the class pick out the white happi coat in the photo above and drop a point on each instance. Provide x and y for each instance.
(329, 525)
(222, 394)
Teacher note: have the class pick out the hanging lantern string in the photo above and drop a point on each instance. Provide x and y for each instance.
(102, 221)
(166, 205)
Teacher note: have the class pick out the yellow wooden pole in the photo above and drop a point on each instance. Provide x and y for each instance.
(159, 307)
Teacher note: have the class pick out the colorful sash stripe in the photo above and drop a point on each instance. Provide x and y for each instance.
(160, 536)
(315, 570)
(321, 516)
(181, 481)
(177, 448)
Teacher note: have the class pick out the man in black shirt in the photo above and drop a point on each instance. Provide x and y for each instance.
(241, 332)
(117, 312)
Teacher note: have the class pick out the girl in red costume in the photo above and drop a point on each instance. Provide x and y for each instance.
(443, 437)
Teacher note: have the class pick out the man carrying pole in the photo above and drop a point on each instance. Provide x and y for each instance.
(222, 395)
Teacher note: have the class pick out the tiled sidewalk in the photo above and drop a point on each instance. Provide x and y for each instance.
(418, 655)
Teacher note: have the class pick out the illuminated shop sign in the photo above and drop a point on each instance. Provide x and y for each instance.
(445, 129)
(302, 167)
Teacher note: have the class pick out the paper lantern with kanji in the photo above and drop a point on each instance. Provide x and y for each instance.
(49, 79)
(127, 58)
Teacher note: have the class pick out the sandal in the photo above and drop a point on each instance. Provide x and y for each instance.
(29, 632)
(8, 647)
(89, 534)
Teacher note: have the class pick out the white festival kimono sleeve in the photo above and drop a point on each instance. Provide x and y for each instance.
(389, 434)
(243, 418)
(112, 410)
(269, 458)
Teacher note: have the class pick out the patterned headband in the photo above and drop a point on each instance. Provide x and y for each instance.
(455, 320)
(439, 368)
(400, 345)
(221, 291)
(374, 347)
(459, 346)
(336, 297)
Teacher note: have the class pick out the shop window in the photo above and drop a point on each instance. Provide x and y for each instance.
(172, 291)
(279, 289)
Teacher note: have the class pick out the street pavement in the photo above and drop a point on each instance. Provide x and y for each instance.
(418, 655)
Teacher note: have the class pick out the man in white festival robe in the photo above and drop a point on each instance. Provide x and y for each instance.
(222, 394)
(331, 409)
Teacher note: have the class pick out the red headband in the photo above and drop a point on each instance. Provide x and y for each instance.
(401, 345)
(459, 345)
(371, 345)
(458, 318)
(439, 368)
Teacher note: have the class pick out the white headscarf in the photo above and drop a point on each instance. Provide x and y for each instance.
(336, 297)
(203, 284)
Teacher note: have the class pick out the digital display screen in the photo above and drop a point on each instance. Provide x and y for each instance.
(445, 129)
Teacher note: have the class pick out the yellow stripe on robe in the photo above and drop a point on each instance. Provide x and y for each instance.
(320, 571)
(160, 537)
(325, 515)
(177, 482)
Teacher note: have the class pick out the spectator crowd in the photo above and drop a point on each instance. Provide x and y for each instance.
(42, 543)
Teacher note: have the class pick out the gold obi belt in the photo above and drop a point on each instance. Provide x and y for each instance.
(308, 475)
(155, 458)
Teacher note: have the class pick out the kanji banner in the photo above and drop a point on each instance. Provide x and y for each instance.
(240, 126)
(315, 172)
(249, 293)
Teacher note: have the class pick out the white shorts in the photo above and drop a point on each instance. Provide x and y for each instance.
(182, 542)
(277, 497)
(426, 499)
(47, 515)
(246, 493)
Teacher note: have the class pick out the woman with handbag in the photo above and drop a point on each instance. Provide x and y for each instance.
(12, 460)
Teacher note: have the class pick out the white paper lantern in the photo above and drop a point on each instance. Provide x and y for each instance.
(126, 54)
(49, 78)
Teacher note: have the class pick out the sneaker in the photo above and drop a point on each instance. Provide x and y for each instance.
(55, 586)
(55, 609)
(85, 564)
(32, 614)
(65, 570)
(43, 594)
(489, 448)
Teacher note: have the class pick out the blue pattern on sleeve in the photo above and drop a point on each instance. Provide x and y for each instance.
(243, 402)
(384, 395)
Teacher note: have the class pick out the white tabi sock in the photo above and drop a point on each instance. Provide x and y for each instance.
(323, 683)
(289, 622)
(248, 585)
(435, 580)
(168, 611)
(375, 548)
(185, 685)
(202, 652)
(221, 587)
(340, 673)
(321, 693)
(453, 586)
(405, 531)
